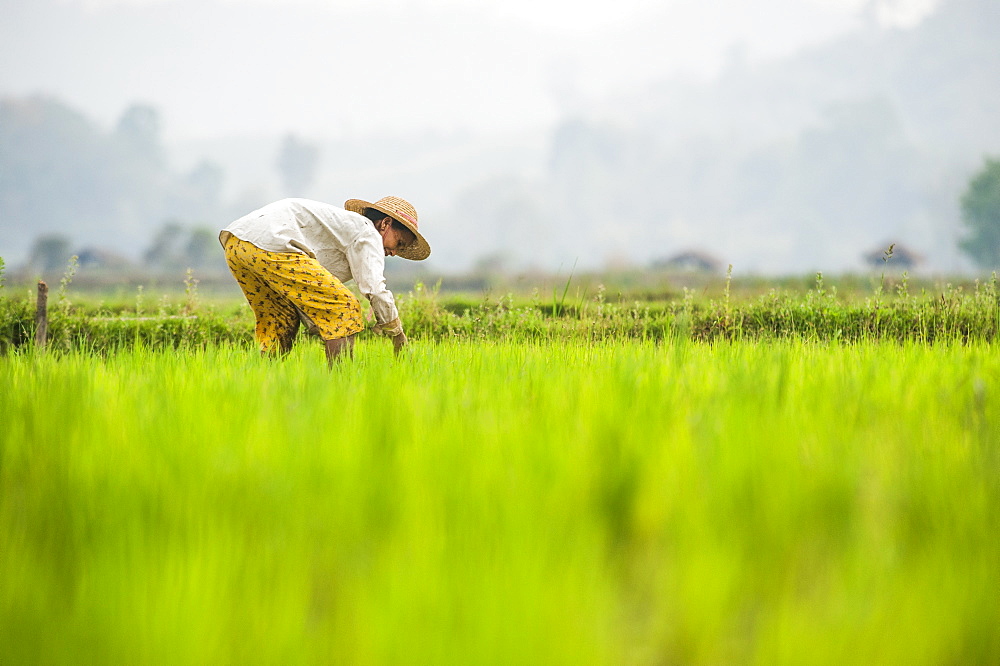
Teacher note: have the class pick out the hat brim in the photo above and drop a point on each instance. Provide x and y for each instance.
(416, 252)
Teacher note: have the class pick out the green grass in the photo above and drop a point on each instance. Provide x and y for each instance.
(821, 314)
(492, 502)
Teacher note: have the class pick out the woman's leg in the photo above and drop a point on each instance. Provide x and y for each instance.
(283, 284)
(337, 347)
(277, 320)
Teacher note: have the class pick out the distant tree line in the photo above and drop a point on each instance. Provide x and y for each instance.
(803, 162)
(61, 174)
(69, 186)
(981, 214)
(173, 248)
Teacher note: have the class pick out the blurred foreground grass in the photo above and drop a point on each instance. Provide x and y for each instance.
(788, 502)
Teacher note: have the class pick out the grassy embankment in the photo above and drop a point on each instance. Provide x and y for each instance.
(586, 312)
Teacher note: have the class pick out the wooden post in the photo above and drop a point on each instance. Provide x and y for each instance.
(42, 315)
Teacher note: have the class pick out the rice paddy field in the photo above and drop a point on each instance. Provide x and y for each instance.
(528, 494)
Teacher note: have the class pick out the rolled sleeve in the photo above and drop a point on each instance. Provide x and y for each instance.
(392, 328)
(367, 260)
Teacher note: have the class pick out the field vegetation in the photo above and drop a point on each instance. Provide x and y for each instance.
(584, 309)
(789, 476)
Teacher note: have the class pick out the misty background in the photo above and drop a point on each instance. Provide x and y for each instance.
(779, 136)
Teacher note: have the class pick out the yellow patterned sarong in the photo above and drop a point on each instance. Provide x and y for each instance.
(280, 285)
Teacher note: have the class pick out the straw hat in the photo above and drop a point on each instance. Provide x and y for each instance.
(400, 210)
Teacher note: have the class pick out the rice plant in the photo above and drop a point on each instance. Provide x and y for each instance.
(503, 501)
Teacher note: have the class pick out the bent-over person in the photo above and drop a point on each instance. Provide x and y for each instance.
(292, 257)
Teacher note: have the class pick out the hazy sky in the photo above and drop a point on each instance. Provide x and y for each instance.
(567, 16)
(340, 67)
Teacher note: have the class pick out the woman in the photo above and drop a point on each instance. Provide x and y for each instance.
(291, 258)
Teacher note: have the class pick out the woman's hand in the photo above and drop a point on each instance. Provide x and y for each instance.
(398, 342)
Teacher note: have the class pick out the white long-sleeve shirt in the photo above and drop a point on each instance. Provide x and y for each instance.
(343, 242)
